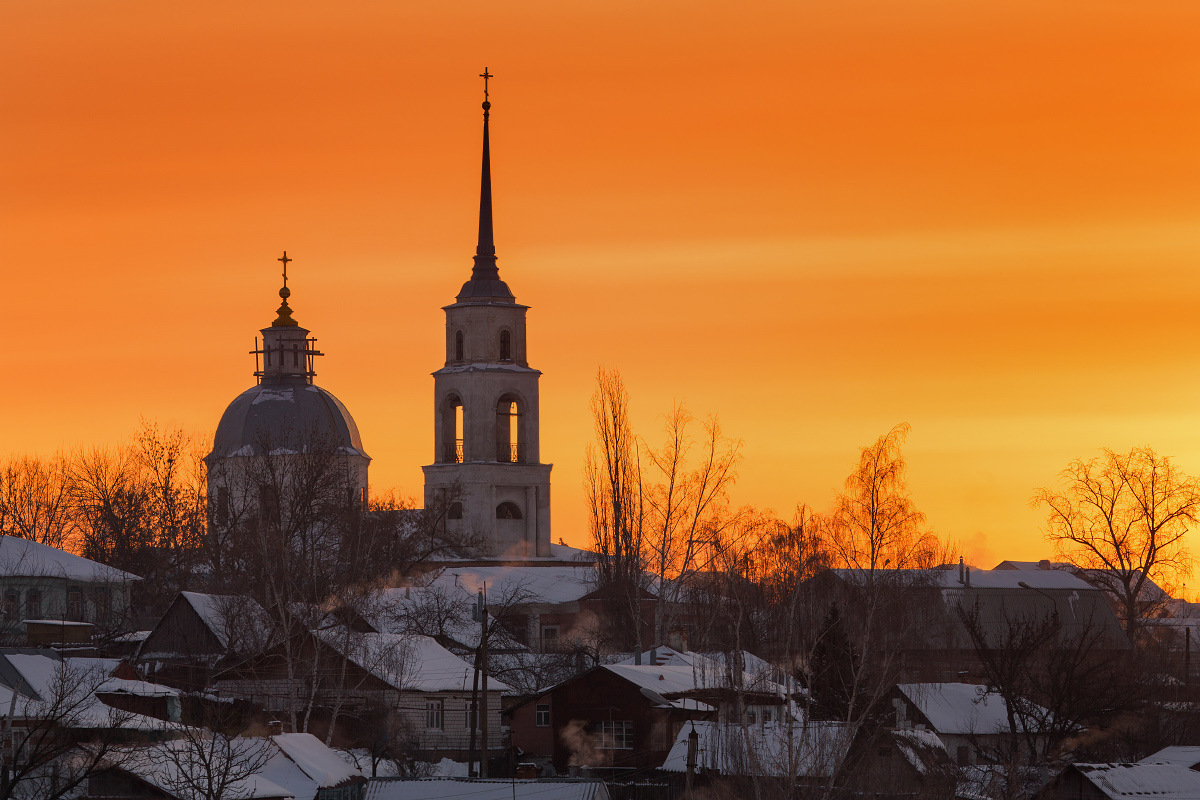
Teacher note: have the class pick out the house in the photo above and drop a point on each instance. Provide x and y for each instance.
(197, 632)
(370, 685)
(484, 789)
(71, 693)
(42, 587)
(909, 762)
(799, 749)
(302, 764)
(931, 613)
(971, 722)
(169, 770)
(624, 717)
(296, 766)
(1166, 781)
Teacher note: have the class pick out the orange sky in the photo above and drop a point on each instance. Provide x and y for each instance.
(816, 219)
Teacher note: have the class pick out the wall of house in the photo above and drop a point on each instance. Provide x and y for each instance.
(104, 604)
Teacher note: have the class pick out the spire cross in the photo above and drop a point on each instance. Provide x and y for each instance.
(485, 75)
(285, 261)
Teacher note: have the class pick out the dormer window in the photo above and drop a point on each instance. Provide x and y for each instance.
(505, 346)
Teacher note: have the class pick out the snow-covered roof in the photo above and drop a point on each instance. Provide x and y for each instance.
(1184, 756)
(1164, 780)
(484, 789)
(777, 749)
(405, 610)
(658, 681)
(919, 748)
(166, 766)
(959, 708)
(980, 578)
(712, 662)
(25, 558)
(412, 663)
(544, 584)
(302, 764)
(67, 688)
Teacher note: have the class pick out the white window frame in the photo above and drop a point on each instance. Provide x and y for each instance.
(614, 734)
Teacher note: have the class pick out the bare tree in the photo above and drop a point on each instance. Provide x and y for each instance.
(201, 764)
(686, 508)
(875, 523)
(35, 499)
(616, 505)
(1122, 518)
(58, 736)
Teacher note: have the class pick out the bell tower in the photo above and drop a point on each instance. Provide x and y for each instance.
(487, 463)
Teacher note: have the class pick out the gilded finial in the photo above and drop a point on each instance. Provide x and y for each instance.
(285, 314)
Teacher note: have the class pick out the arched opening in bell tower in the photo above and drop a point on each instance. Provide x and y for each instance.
(452, 429)
(458, 346)
(505, 346)
(510, 430)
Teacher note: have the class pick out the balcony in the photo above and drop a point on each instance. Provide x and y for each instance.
(511, 454)
(454, 452)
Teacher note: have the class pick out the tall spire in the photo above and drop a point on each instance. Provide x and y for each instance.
(485, 251)
(485, 284)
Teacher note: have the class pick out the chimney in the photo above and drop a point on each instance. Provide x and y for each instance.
(960, 569)
(274, 727)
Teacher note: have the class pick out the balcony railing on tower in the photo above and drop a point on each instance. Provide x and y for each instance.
(511, 454)
(454, 452)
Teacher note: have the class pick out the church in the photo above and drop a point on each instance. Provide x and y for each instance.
(486, 471)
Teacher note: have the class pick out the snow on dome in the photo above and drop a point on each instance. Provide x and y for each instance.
(285, 416)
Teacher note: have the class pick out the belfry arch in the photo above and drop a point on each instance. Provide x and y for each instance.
(511, 436)
(451, 420)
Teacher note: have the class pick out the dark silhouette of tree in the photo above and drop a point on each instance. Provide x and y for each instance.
(1122, 518)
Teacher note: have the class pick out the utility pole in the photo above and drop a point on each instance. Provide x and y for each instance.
(693, 746)
(474, 721)
(483, 664)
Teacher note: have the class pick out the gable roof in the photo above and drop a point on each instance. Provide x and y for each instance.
(1182, 755)
(545, 584)
(1163, 780)
(959, 708)
(302, 764)
(24, 558)
(154, 765)
(412, 663)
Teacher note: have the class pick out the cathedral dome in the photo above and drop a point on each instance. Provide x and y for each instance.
(286, 416)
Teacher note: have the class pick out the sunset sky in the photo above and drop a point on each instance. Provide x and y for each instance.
(815, 219)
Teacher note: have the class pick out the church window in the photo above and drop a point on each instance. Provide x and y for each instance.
(505, 346)
(454, 511)
(222, 506)
(510, 441)
(508, 510)
(458, 346)
(452, 430)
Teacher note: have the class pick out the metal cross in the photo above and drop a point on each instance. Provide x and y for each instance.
(485, 75)
(285, 261)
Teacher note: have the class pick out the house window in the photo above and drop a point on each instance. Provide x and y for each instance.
(541, 715)
(434, 715)
(751, 717)
(75, 605)
(549, 638)
(766, 715)
(614, 735)
(33, 605)
(472, 718)
(11, 602)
